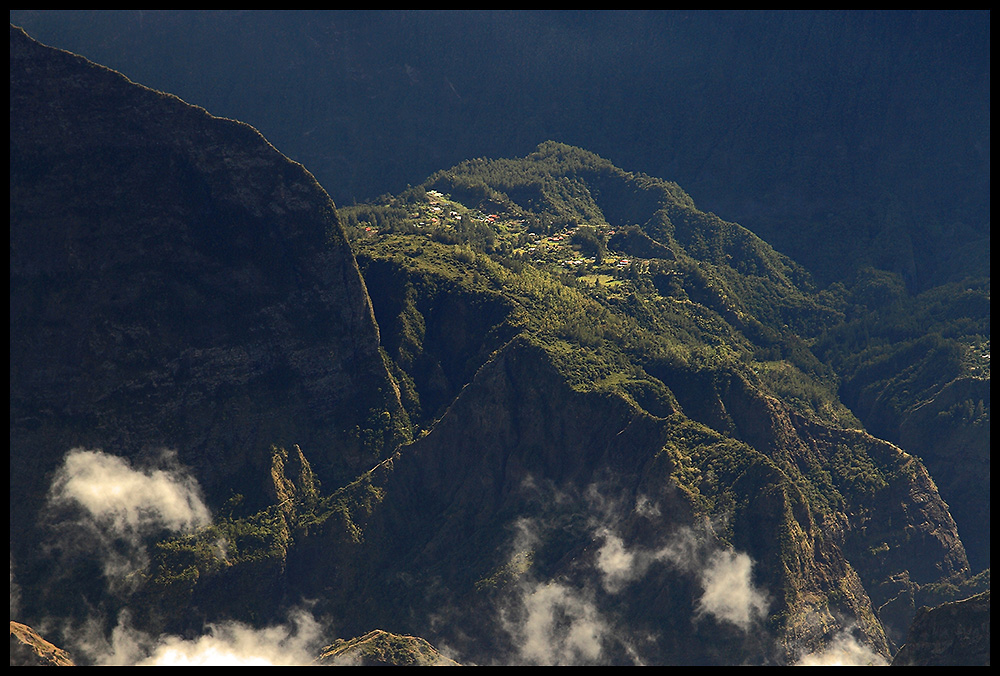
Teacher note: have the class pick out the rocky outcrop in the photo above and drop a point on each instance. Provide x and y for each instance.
(952, 634)
(381, 649)
(28, 649)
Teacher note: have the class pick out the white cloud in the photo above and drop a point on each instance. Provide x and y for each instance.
(551, 622)
(128, 500)
(561, 623)
(101, 505)
(843, 651)
(618, 565)
(556, 625)
(297, 641)
(725, 575)
(729, 593)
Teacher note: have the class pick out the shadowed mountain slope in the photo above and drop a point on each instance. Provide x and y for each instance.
(176, 283)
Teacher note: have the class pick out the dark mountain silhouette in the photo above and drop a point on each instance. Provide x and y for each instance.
(176, 283)
(844, 138)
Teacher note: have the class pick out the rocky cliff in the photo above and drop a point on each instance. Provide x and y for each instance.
(176, 283)
(952, 634)
(28, 649)
(528, 488)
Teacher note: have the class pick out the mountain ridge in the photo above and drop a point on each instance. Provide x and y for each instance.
(846, 139)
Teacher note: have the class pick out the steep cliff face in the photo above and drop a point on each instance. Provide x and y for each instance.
(435, 332)
(952, 634)
(951, 434)
(530, 497)
(175, 283)
(873, 501)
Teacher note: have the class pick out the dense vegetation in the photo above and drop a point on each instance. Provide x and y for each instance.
(632, 288)
(621, 263)
(633, 293)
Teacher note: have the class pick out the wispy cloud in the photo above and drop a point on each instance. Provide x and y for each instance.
(569, 619)
(100, 504)
(843, 651)
(617, 564)
(297, 641)
(725, 575)
(126, 499)
(557, 625)
(729, 593)
(551, 622)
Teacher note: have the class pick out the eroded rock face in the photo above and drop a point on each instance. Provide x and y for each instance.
(952, 634)
(956, 449)
(527, 486)
(884, 513)
(28, 649)
(176, 283)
